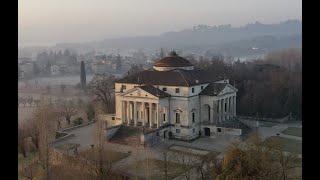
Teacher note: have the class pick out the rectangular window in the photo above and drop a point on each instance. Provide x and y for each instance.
(201, 87)
(177, 130)
(192, 90)
(193, 117)
(157, 133)
(137, 114)
(218, 106)
(177, 90)
(164, 117)
(177, 117)
(164, 89)
(124, 87)
(194, 130)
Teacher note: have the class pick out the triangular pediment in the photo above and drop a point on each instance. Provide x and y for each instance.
(138, 92)
(228, 89)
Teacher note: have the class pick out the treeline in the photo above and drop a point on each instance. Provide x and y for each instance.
(46, 59)
(269, 87)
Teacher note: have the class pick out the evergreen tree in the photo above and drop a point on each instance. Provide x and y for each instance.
(83, 75)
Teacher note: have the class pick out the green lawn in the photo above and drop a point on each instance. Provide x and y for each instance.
(267, 123)
(155, 169)
(290, 145)
(293, 131)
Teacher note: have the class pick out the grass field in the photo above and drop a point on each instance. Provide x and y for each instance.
(155, 169)
(293, 131)
(290, 145)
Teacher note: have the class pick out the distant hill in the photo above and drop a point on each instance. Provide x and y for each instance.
(202, 37)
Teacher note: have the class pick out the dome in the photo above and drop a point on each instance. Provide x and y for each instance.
(173, 61)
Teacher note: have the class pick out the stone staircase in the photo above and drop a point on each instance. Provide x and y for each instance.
(127, 135)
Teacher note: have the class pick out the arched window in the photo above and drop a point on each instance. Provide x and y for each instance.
(177, 111)
(193, 112)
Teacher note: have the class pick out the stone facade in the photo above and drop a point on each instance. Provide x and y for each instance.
(185, 111)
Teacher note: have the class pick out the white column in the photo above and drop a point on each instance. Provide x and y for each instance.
(228, 108)
(128, 112)
(135, 113)
(220, 110)
(122, 111)
(231, 107)
(157, 116)
(235, 106)
(215, 111)
(223, 109)
(143, 114)
(232, 100)
(150, 114)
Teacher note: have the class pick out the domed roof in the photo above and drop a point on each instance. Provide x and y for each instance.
(173, 60)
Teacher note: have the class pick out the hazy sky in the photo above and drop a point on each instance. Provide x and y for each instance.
(50, 21)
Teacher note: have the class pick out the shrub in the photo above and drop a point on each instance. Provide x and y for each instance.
(60, 134)
(77, 121)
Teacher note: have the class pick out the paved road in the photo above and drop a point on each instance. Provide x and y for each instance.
(266, 132)
(83, 136)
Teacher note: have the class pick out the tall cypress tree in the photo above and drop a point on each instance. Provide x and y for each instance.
(83, 76)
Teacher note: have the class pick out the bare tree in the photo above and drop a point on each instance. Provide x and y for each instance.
(37, 102)
(23, 101)
(90, 111)
(22, 140)
(288, 163)
(99, 164)
(165, 155)
(186, 161)
(209, 166)
(45, 118)
(102, 87)
(32, 131)
(67, 108)
(256, 159)
(29, 171)
(30, 100)
(148, 170)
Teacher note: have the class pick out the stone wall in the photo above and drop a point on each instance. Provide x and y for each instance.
(151, 138)
(111, 131)
(279, 120)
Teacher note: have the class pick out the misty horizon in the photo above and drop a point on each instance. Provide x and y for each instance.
(51, 22)
(145, 35)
